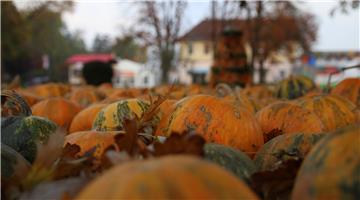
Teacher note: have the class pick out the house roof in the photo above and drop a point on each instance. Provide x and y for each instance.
(84, 58)
(203, 30)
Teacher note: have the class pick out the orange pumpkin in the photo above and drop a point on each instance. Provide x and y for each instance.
(257, 92)
(333, 111)
(50, 90)
(288, 118)
(87, 140)
(84, 96)
(350, 89)
(170, 177)
(217, 120)
(83, 121)
(59, 110)
(29, 97)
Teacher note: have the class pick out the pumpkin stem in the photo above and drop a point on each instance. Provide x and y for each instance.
(223, 89)
(13, 104)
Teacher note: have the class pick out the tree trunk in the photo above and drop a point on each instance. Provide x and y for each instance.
(166, 64)
(262, 72)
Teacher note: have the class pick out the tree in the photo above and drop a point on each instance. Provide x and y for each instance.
(274, 26)
(14, 41)
(102, 44)
(344, 6)
(162, 22)
(36, 31)
(126, 47)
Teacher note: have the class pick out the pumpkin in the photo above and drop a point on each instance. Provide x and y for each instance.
(9, 160)
(83, 120)
(87, 140)
(58, 109)
(284, 147)
(333, 111)
(51, 90)
(22, 133)
(257, 92)
(242, 101)
(332, 168)
(20, 130)
(169, 177)
(111, 117)
(350, 89)
(286, 118)
(84, 96)
(216, 120)
(231, 159)
(29, 97)
(294, 87)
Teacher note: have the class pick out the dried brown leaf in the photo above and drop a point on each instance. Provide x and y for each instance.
(70, 151)
(278, 183)
(128, 141)
(180, 144)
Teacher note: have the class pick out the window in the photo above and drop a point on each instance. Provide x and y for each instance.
(206, 48)
(190, 48)
(145, 80)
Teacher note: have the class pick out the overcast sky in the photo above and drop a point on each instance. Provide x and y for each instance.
(341, 32)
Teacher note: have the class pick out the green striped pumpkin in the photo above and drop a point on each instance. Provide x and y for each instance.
(294, 87)
(332, 168)
(283, 147)
(22, 133)
(9, 159)
(111, 117)
(231, 159)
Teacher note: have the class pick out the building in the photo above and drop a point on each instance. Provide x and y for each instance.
(128, 73)
(324, 63)
(76, 63)
(196, 53)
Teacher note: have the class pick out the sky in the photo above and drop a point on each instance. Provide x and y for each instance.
(111, 17)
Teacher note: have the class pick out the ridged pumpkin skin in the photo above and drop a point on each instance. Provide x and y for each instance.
(83, 121)
(242, 101)
(90, 139)
(333, 111)
(257, 91)
(112, 116)
(284, 147)
(294, 87)
(59, 110)
(231, 159)
(332, 168)
(350, 89)
(29, 97)
(217, 121)
(22, 133)
(51, 90)
(171, 177)
(288, 118)
(84, 96)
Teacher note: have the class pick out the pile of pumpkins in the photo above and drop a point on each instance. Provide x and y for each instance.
(247, 130)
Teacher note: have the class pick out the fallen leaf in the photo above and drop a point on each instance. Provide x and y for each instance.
(180, 144)
(278, 183)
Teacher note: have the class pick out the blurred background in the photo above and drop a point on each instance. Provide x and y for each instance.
(144, 44)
